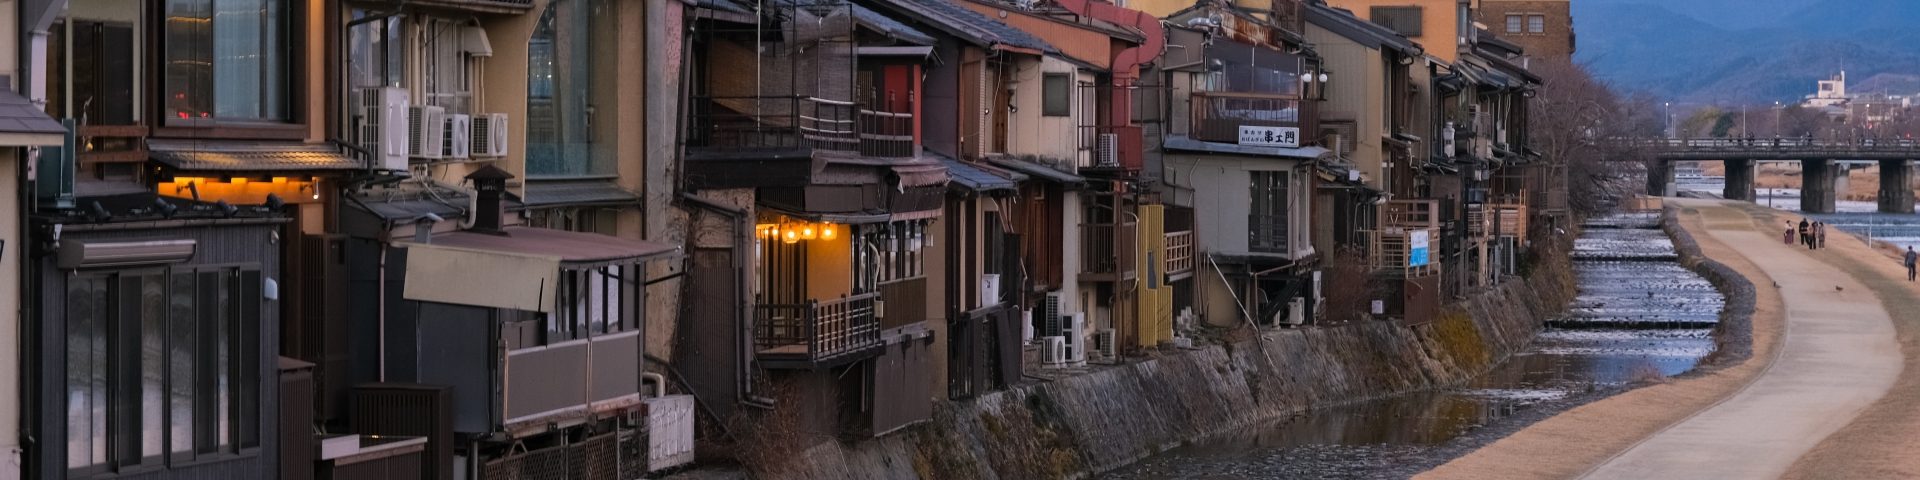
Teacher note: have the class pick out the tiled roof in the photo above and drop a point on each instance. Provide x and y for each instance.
(967, 24)
(544, 193)
(19, 115)
(1344, 23)
(249, 156)
(887, 25)
(1036, 170)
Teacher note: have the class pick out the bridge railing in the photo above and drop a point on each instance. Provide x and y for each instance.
(1767, 143)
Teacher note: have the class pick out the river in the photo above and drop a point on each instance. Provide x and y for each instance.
(1638, 316)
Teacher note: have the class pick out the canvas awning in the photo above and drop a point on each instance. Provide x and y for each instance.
(518, 270)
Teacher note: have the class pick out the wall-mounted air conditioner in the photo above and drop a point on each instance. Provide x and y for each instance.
(1104, 345)
(1106, 150)
(1053, 351)
(458, 144)
(1076, 339)
(1049, 312)
(489, 135)
(426, 132)
(383, 126)
(1296, 312)
(1318, 299)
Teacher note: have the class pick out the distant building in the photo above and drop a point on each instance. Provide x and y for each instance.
(1543, 27)
(1832, 92)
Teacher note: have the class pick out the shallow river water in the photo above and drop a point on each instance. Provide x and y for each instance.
(1638, 315)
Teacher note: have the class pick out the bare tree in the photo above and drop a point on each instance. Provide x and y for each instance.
(1573, 117)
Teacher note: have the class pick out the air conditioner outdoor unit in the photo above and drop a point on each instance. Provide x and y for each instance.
(1318, 299)
(383, 126)
(489, 135)
(1104, 347)
(1053, 351)
(1049, 313)
(1106, 150)
(426, 130)
(989, 289)
(458, 145)
(1076, 339)
(1296, 312)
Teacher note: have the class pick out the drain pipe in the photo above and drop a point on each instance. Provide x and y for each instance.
(741, 244)
(659, 383)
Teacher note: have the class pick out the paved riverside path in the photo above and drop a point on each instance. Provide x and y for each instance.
(1839, 355)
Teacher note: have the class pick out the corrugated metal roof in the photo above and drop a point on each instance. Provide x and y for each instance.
(968, 24)
(1180, 142)
(1344, 23)
(249, 156)
(1037, 170)
(408, 201)
(547, 193)
(971, 177)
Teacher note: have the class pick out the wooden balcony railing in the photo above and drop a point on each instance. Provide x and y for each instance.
(1179, 252)
(799, 122)
(817, 333)
(1410, 214)
(1218, 116)
(1511, 219)
(1106, 251)
(1391, 250)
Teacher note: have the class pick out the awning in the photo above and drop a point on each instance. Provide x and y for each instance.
(1036, 170)
(921, 175)
(553, 193)
(895, 51)
(1181, 142)
(249, 156)
(975, 178)
(24, 125)
(518, 270)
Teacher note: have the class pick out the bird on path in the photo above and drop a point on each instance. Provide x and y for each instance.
(1838, 289)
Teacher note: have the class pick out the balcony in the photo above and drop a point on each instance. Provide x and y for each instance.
(1179, 253)
(480, 6)
(1218, 116)
(596, 374)
(1106, 252)
(799, 122)
(817, 334)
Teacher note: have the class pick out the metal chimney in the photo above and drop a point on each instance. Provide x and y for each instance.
(490, 186)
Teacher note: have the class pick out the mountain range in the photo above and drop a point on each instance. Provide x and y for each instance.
(1749, 51)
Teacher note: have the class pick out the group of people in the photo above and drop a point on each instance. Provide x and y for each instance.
(1813, 235)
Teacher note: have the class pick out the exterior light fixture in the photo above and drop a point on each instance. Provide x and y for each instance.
(809, 232)
(829, 232)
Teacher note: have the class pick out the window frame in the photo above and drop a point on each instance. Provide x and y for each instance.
(295, 127)
(1263, 185)
(234, 312)
(1516, 23)
(1536, 24)
(1379, 15)
(1049, 83)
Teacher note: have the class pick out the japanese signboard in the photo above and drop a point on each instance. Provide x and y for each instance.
(1270, 136)
(1417, 252)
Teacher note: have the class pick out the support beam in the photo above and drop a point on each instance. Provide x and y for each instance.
(1739, 180)
(1896, 186)
(1817, 193)
(1660, 178)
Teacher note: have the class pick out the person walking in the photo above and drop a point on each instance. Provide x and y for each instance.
(1820, 235)
(1787, 236)
(1911, 257)
(1805, 232)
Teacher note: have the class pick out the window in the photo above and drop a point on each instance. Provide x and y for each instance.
(1536, 23)
(1513, 23)
(445, 65)
(1056, 95)
(1404, 20)
(101, 54)
(889, 252)
(565, 135)
(161, 366)
(227, 60)
(596, 301)
(1267, 224)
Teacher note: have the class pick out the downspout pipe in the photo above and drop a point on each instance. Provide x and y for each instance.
(1126, 62)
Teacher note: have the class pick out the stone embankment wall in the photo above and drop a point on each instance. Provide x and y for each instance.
(1116, 415)
(1733, 336)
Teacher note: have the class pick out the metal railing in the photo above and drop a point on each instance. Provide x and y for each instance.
(1391, 250)
(1179, 252)
(1267, 233)
(799, 122)
(1410, 214)
(1218, 116)
(817, 331)
(1106, 249)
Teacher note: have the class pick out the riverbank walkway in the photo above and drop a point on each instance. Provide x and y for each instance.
(1839, 355)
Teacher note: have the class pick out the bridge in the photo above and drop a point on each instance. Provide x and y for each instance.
(1821, 174)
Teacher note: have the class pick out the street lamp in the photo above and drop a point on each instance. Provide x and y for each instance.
(1667, 111)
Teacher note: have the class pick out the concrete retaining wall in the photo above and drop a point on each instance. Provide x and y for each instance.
(1116, 415)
